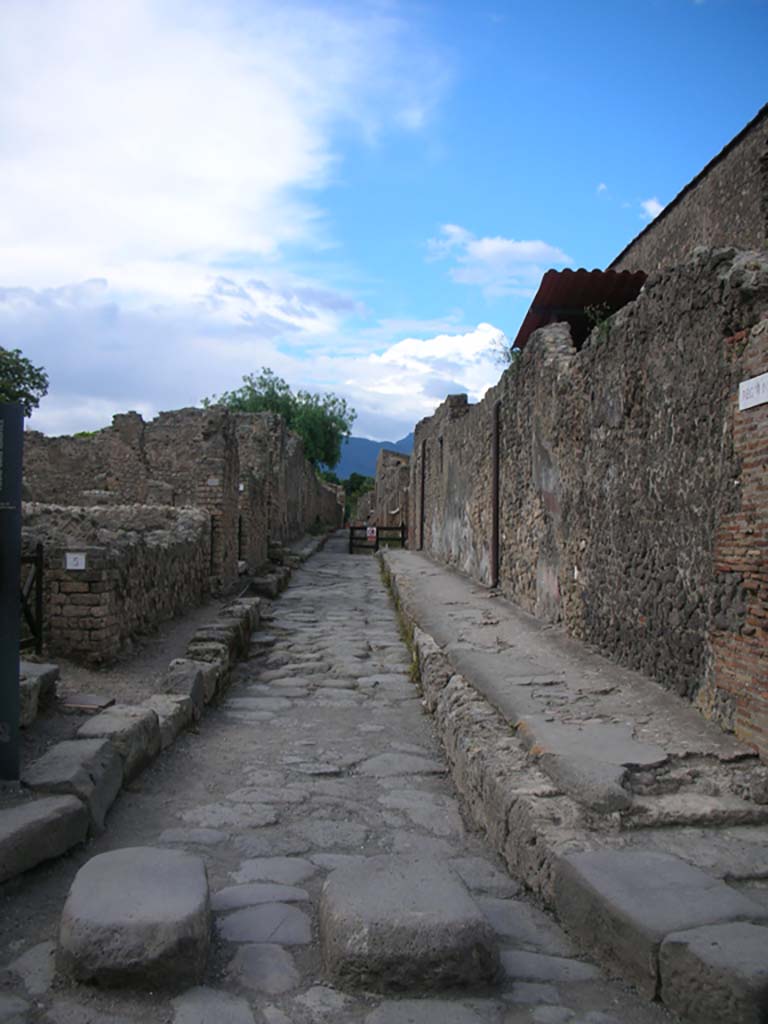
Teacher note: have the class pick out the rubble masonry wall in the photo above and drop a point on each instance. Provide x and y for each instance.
(92, 613)
(391, 491)
(632, 491)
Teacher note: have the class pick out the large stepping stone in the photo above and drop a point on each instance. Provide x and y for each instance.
(622, 904)
(138, 916)
(391, 923)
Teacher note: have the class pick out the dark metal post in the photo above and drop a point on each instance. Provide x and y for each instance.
(351, 534)
(495, 496)
(422, 509)
(11, 437)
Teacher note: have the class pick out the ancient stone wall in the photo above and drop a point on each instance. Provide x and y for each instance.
(391, 492)
(182, 458)
(725, 204)
(363, 510)
(143, 564)
(632, 493)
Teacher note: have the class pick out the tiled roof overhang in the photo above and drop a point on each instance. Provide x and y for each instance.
(566, 294)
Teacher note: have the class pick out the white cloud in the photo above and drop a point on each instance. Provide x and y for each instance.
(146, 139)
(602, 187)
(166, 156)
(149, 358)
(500, 266)
(410, 378)
(651, 208)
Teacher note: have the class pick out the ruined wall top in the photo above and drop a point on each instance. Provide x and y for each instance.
(725, 204)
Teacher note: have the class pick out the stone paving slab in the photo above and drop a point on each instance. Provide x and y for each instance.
(13, 1009)
(279, 923)
(400, 923)
(137, 916)
(234, 897)
(266, 968)
(207, 1005)
(91, 770)
(39, 830)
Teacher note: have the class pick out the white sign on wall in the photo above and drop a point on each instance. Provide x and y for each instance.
(74, 560)
(753, 392)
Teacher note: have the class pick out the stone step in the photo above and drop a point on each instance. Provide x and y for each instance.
(622, 905)
(138, 916)
(403, 924)
(39, 830)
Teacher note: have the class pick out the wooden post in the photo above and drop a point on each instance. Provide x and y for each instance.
(11, 439)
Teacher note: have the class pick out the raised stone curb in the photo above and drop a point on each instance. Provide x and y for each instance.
(39, 830)
(185, 678)
(622, 904)
(138, 916)
(395, 923)
(717, 973)
(91, 770)
(132, 729)
(174, 714)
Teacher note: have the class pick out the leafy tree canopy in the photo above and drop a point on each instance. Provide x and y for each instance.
(20, 381)
(321, 421)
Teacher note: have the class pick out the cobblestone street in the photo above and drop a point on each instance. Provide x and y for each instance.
(319, 757)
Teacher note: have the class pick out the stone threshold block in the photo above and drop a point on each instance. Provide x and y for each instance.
(91, 770)
(620, 905)
(137, 917)
(134, 732)
(718, 973)
(37, 684)
(399, 924)
(39, 830)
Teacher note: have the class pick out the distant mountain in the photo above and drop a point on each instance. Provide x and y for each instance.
(359, 454)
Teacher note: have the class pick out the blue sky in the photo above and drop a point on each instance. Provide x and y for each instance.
(362, 196)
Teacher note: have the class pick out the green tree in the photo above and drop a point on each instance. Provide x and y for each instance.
(20, 381)
(321, 421)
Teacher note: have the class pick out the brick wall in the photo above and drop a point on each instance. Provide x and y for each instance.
(143, 564)
(624, 474)
(725, 204)
(736, 690)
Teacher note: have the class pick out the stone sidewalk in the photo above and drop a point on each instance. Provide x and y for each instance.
(641, 825)
(337, 853)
